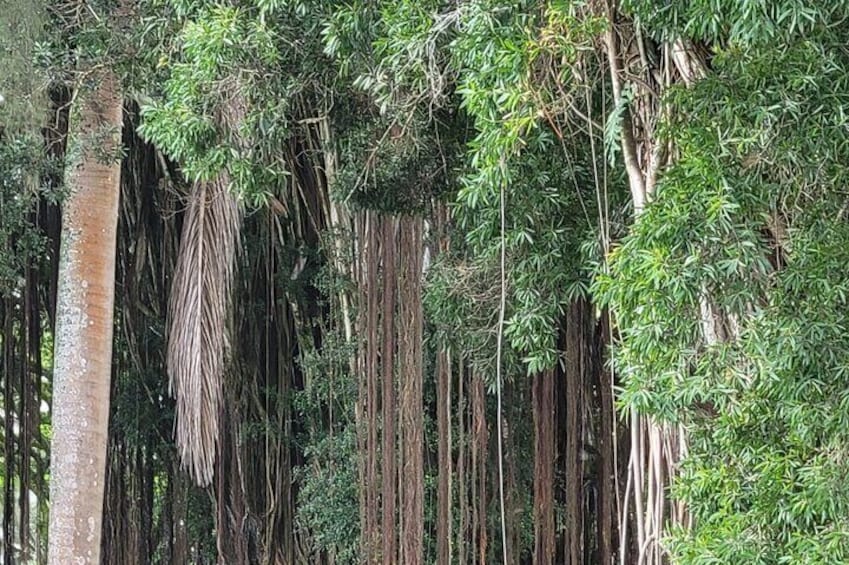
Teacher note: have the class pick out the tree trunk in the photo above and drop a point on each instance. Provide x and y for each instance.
(443, 518)
(543, 407)
(30, 381)
(231, 512)
(462, 530)
(574, 405)
(361, 408)
(8, 434)
(83, 353)
(606, 446)
(389, 471)
(480, 451)
(367, 393)
(412, 421)
(373, 301)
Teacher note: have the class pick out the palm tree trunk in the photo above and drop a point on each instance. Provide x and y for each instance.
(83, 352)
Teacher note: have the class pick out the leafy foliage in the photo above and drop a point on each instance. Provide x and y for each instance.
(729, 293)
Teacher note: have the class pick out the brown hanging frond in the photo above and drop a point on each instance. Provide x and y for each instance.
(198, 307)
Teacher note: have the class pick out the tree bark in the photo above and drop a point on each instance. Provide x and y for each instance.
(389, 467)
(575, 371)
(480, 450)
(367, 393)
(444, 522)
(83, 351)
(606, 446)
(231, 512)
(543, 408)
(8, 434)
(443, 514)
(373, 537)
(462, 529)
(412, 421)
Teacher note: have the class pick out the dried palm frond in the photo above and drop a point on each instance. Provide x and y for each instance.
(198, 342)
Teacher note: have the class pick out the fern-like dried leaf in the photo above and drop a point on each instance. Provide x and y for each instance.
(198, 343)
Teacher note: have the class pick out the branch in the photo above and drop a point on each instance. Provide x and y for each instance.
(629, 145)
